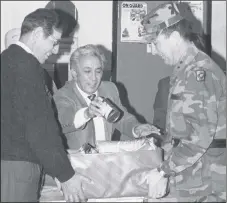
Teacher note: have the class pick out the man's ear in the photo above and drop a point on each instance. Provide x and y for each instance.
(73, 73)
(37, 33)
(175, 36)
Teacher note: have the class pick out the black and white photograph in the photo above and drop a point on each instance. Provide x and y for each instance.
(113, 101)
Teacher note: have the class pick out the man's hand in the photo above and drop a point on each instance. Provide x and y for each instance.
(157, 184)
(94, 109)
(145, 129)
(72, 189)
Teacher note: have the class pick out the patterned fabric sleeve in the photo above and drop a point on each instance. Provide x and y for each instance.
(197, 125)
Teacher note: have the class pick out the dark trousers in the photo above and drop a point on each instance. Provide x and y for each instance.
(20, 181)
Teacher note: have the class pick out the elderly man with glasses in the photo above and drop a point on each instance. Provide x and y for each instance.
(30, 135)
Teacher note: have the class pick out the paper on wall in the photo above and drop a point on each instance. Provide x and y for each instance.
(131, 15)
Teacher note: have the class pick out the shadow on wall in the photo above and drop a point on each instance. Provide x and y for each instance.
(198, 37)
(125, 102)
(68, 14)
(107, 63)
(219, 60)
(69, 20)
(107, 76)
(161, 103)
(122, 90)
(203, 43)
(186, 10)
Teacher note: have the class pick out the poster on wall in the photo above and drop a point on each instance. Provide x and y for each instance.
(131, 15)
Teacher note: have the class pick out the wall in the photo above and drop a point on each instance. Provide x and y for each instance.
(218, 35)
(95, 27)
(13, 13)
(95, 19)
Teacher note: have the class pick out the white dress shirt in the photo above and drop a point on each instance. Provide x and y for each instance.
(23, 46)
(80, 120)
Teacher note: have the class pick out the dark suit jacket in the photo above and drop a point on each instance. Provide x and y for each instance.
(68, 101)
(29, 131)
(161, 102)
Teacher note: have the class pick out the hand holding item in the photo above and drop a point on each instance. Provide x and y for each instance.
(143, 130)
(94, 109)
(104, 107)
(157, 184)
(72, 189)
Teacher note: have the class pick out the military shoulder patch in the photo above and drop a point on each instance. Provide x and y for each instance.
(200, 75)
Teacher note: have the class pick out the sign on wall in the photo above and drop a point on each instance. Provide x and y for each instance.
(131, 15)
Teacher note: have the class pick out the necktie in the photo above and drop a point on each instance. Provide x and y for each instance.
(91, 97)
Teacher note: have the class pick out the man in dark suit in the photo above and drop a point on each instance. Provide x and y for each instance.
(12, 37)
(82, 120)
(30, 135)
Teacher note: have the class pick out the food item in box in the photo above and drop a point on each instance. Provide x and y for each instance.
(121, 174)
(129, 145)
(117, 168)
(87, 148)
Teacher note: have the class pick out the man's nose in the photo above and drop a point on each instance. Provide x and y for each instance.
(93, 76)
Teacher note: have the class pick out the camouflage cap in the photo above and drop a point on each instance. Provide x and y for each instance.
(159, 18)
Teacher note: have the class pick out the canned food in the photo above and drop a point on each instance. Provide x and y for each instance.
(112, 113)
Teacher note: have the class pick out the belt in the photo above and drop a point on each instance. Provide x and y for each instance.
(216, 143)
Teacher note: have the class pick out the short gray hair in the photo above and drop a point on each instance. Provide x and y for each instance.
(48, 19)
(87, 50)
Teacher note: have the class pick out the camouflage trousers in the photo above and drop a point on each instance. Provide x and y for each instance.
(211, 186)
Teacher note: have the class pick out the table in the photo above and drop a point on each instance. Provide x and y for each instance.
(52, 194)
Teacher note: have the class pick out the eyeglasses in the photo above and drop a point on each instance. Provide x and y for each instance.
(55, 41)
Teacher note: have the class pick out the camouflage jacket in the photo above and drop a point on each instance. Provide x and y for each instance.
(196, 112)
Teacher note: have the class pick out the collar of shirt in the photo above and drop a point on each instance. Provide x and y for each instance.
(188, 56)
(26, 48)
(85, 95)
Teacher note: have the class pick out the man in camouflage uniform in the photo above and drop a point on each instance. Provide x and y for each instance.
(196, 115)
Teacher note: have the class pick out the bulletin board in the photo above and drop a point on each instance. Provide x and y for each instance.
(68, 43)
